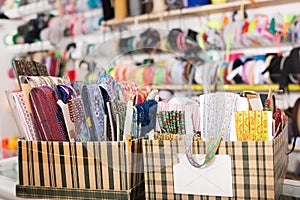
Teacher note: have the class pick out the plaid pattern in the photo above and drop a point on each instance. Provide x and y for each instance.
(76, 165)
(66, 193)
(258, 168)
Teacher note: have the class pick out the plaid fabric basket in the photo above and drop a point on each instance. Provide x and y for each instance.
(258, 167)
(82, 167)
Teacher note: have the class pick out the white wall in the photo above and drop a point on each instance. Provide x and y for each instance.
(7, 123)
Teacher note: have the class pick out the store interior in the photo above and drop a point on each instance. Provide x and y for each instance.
(192, 46)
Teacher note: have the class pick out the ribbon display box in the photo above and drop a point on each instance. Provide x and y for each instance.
(257, 169)
(87, 170)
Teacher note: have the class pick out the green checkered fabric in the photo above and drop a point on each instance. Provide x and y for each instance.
(75, 165)
(66, 193)
(258, 168)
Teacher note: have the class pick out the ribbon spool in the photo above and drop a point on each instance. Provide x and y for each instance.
(108, 10)
(9, 39)
(159, 6)
(174, 4)
(135, 7)
(120, 9)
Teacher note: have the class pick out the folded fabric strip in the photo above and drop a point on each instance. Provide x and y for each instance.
(47, 113)
(94, 110)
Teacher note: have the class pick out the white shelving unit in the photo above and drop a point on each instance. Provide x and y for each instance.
(26, 48)
(21, 13)
(195, 11)
(29, 9)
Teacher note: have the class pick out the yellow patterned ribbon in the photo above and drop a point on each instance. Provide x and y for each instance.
(251, 125)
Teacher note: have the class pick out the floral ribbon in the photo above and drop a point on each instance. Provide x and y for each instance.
(78, 118)
(218, 109)
(171, 122)
(94, 110)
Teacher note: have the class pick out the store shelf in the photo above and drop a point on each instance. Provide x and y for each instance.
(34, 47)
(29, 9)
(92, 12)
(11, 22)
(200, 10)
(256, 87)
(226, 87)
(258, 50)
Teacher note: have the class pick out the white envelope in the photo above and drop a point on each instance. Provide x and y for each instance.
(215, 179)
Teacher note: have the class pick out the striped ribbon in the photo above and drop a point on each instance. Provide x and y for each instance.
(21, 115)
(118, 109)
(48, 115)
